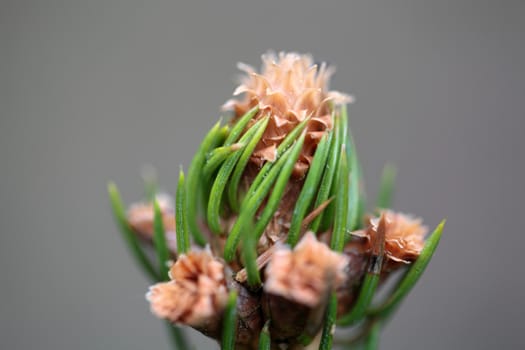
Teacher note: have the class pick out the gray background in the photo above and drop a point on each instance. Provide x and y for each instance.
(92, 90)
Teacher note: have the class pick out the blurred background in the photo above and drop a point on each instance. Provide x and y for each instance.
(90, 91)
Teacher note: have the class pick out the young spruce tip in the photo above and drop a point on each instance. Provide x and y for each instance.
(266, 244)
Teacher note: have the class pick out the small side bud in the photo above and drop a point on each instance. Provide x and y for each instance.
(196, 295)
(297, 287)
(141, 214)
(404, 238)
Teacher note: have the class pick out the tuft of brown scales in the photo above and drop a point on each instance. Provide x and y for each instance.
(290, 88)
